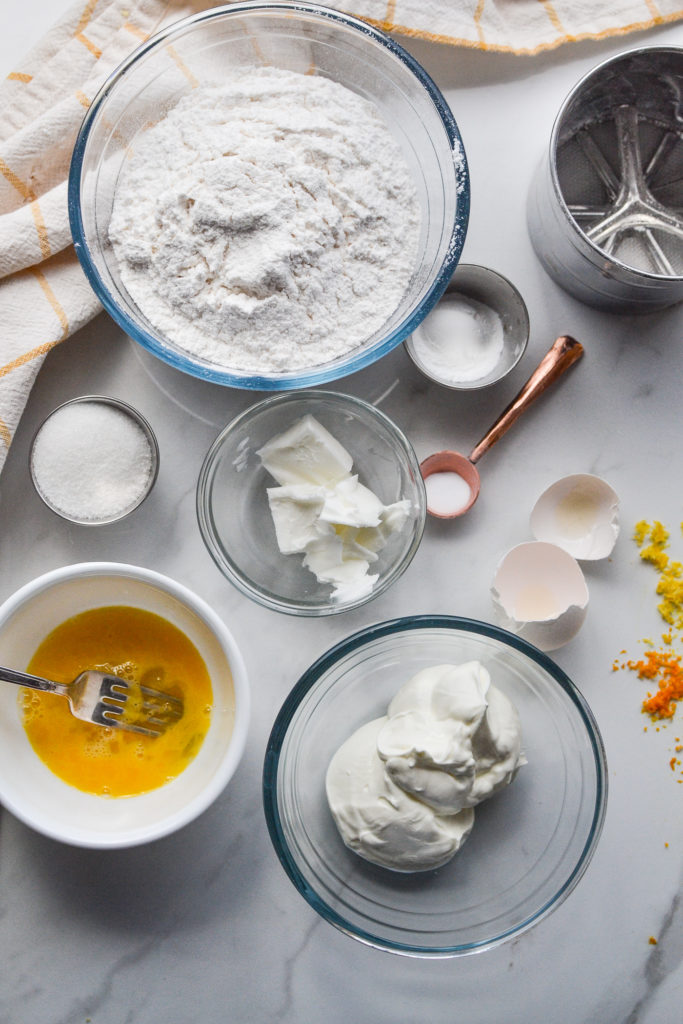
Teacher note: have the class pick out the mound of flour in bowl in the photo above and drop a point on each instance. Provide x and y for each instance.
(268, 223)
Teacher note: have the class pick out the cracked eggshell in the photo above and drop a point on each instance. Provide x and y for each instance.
(580, 513)
(540, 594)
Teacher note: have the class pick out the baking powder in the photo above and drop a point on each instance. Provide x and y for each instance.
(447, 493)
(460, 341)
(268, 223)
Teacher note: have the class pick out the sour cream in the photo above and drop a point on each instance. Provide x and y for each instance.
(403, 787)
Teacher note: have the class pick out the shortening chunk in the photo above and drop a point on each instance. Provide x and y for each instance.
(306, 453)
(323, 511)
(296, 511)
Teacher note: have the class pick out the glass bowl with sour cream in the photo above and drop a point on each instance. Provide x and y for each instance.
(531, 841)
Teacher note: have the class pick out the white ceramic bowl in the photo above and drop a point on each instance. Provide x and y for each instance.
(43, 801)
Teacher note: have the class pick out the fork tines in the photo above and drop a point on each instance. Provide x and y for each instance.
(153, 712)
(161, 707)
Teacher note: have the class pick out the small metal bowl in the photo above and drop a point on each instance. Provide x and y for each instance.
(485, 286)
(107, 474)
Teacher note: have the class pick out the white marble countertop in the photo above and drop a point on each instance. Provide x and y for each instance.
(204, 925)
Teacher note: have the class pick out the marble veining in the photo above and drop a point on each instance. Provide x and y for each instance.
(204, 925)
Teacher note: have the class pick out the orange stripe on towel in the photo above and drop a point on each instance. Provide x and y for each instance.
(5, 435)
(39, 222)
(24, 191)
(87, 14)
(29, 196)
(527, 51)
(59, 312)
(20, 76)
(89, 45)
(134, 30)
(555, 19)
(477, 20)
(83, 23)
(654, 11)
(183, 66)
(27, 357)
(387, 22)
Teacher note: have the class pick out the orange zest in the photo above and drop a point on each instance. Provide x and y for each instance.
(664, 668)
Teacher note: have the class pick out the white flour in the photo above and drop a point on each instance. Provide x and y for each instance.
(268, 223)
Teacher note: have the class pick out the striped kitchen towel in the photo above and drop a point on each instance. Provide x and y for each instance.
(44, 296)
(523, 27)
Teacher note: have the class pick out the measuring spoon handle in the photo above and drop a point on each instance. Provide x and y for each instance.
(564, 352)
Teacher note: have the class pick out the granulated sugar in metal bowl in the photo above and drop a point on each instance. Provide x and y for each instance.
(268, 223)
(93, 461)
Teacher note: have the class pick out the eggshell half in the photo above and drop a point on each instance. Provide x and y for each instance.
(540, 594)
(580, 513)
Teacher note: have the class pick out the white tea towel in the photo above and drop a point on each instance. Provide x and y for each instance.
(514, 26)
(44, 296)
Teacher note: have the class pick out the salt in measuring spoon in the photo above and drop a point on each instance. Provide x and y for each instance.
(564, 352)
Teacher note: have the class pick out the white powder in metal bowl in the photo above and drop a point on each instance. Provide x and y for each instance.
(269, 223)
(92, 462)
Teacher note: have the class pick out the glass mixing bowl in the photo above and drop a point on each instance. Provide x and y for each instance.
(530, 843)
(300, 38)
(234, 516)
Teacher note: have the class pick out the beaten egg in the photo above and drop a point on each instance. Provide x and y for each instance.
(143, 648)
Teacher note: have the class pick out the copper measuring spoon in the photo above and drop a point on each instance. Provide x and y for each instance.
(563, 353)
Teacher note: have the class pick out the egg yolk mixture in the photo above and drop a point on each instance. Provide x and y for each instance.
(142, 648)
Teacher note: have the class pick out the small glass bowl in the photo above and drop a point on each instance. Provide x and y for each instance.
(103, 481)
(491, 289)
(530, 844)
(234, 516)
(300, 37)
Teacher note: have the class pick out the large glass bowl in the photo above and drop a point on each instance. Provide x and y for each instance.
(530, 843)
(302, 38)
(234, 516)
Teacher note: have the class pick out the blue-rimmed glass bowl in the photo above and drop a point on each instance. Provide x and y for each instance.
(531, 842)
(302, 37)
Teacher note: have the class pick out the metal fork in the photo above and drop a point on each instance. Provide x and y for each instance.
(108, 700)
